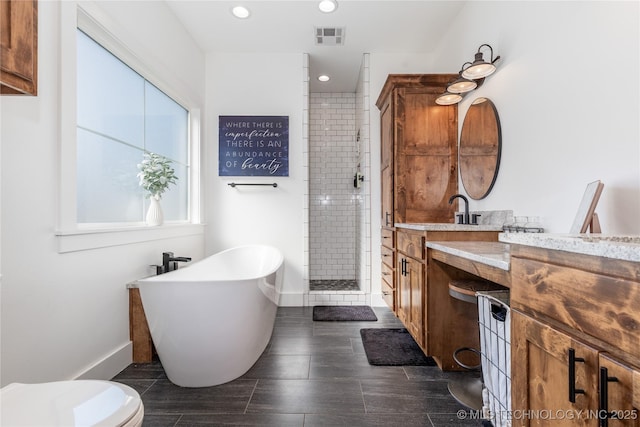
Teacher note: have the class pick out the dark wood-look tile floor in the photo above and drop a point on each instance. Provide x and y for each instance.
(311, 374)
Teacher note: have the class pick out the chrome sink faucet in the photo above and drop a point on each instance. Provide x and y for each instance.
(465, 219)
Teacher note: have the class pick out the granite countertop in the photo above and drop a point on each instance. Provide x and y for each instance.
(616, 247)
(495, 254)
(488, 221)
(437, 226)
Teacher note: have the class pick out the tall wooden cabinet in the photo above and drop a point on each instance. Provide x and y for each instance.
(19, 47)
(575, 339)
(419, 160)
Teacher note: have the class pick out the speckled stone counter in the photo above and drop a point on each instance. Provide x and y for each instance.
(494, 254)
(615, 247)
(432, 226)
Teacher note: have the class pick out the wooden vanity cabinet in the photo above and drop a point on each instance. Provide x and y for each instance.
(419, 154)
(575, 338)
(19, 47)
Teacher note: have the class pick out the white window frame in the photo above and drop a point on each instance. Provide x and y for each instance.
(71, 235)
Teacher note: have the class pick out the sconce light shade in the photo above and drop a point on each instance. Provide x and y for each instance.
(448, 98)
(461, 85)
(480, 68)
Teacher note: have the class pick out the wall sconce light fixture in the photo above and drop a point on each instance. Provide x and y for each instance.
(479, 68)
(469, 78)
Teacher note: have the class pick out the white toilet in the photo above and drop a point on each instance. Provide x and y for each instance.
(70, 403)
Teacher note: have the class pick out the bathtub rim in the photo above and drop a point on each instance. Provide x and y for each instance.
(169, 277)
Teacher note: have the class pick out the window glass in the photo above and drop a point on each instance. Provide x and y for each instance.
(165, 125)
(175, 199)
(120, 116)
(108, 189)
(110, 94)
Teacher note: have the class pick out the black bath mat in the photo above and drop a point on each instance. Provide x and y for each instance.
(393, 347)
(327, 313)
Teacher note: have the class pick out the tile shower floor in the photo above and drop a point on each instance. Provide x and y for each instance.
(311, 374)
(333, 285)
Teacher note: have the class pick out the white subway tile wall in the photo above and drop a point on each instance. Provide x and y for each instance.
(333, 157)
(338, 298)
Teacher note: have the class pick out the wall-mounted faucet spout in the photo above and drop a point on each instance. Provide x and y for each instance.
(465, 219)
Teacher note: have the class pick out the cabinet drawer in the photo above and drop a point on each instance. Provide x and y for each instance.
(601, 306)
(387, 256)
(388, 295)
(387, 275)
(411, 244)
(387, 237)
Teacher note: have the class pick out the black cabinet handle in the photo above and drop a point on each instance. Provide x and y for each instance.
(403, 269)
(572, 375)
(603, 413)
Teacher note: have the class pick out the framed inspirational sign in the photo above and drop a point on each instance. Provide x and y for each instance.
(253, 146)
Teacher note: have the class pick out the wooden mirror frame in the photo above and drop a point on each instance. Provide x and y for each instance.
(480, 148)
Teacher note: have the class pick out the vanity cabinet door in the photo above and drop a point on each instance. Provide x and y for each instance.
(619, 393)
(557, 376)
(411, 296)
(403, 300)
(415, 272)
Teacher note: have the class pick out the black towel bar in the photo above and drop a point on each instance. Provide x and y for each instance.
(234, 184)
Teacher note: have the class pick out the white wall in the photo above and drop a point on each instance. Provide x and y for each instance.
(258, 85)
(567, 92)
(66, 315)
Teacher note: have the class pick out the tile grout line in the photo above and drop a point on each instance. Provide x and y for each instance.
(255, 386)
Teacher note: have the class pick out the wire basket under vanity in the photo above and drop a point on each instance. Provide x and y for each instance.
(494, 318)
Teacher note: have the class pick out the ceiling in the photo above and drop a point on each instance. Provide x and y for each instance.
(288, 26)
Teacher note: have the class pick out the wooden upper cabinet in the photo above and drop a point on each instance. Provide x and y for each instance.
(19, 47)
(419, 142)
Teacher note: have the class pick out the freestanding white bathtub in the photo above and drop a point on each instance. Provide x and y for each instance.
(211, 321)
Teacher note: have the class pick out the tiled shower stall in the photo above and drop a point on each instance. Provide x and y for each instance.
(333, 156)
(338, 211)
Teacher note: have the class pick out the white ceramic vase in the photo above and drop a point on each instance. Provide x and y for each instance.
(154, 214)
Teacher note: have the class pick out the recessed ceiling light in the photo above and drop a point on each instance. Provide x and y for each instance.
(327, 6)
(240, 12)
(324, 78)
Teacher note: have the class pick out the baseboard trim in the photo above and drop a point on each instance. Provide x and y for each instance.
(291, 299)
(377, 301)
(110, 365)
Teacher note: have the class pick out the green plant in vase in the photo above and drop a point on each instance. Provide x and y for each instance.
(156, 175)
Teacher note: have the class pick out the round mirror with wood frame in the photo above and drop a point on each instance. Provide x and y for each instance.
(480, 146)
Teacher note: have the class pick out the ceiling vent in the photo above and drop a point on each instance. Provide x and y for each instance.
(329, 36)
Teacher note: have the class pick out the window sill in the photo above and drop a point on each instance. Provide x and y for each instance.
(82, 240)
